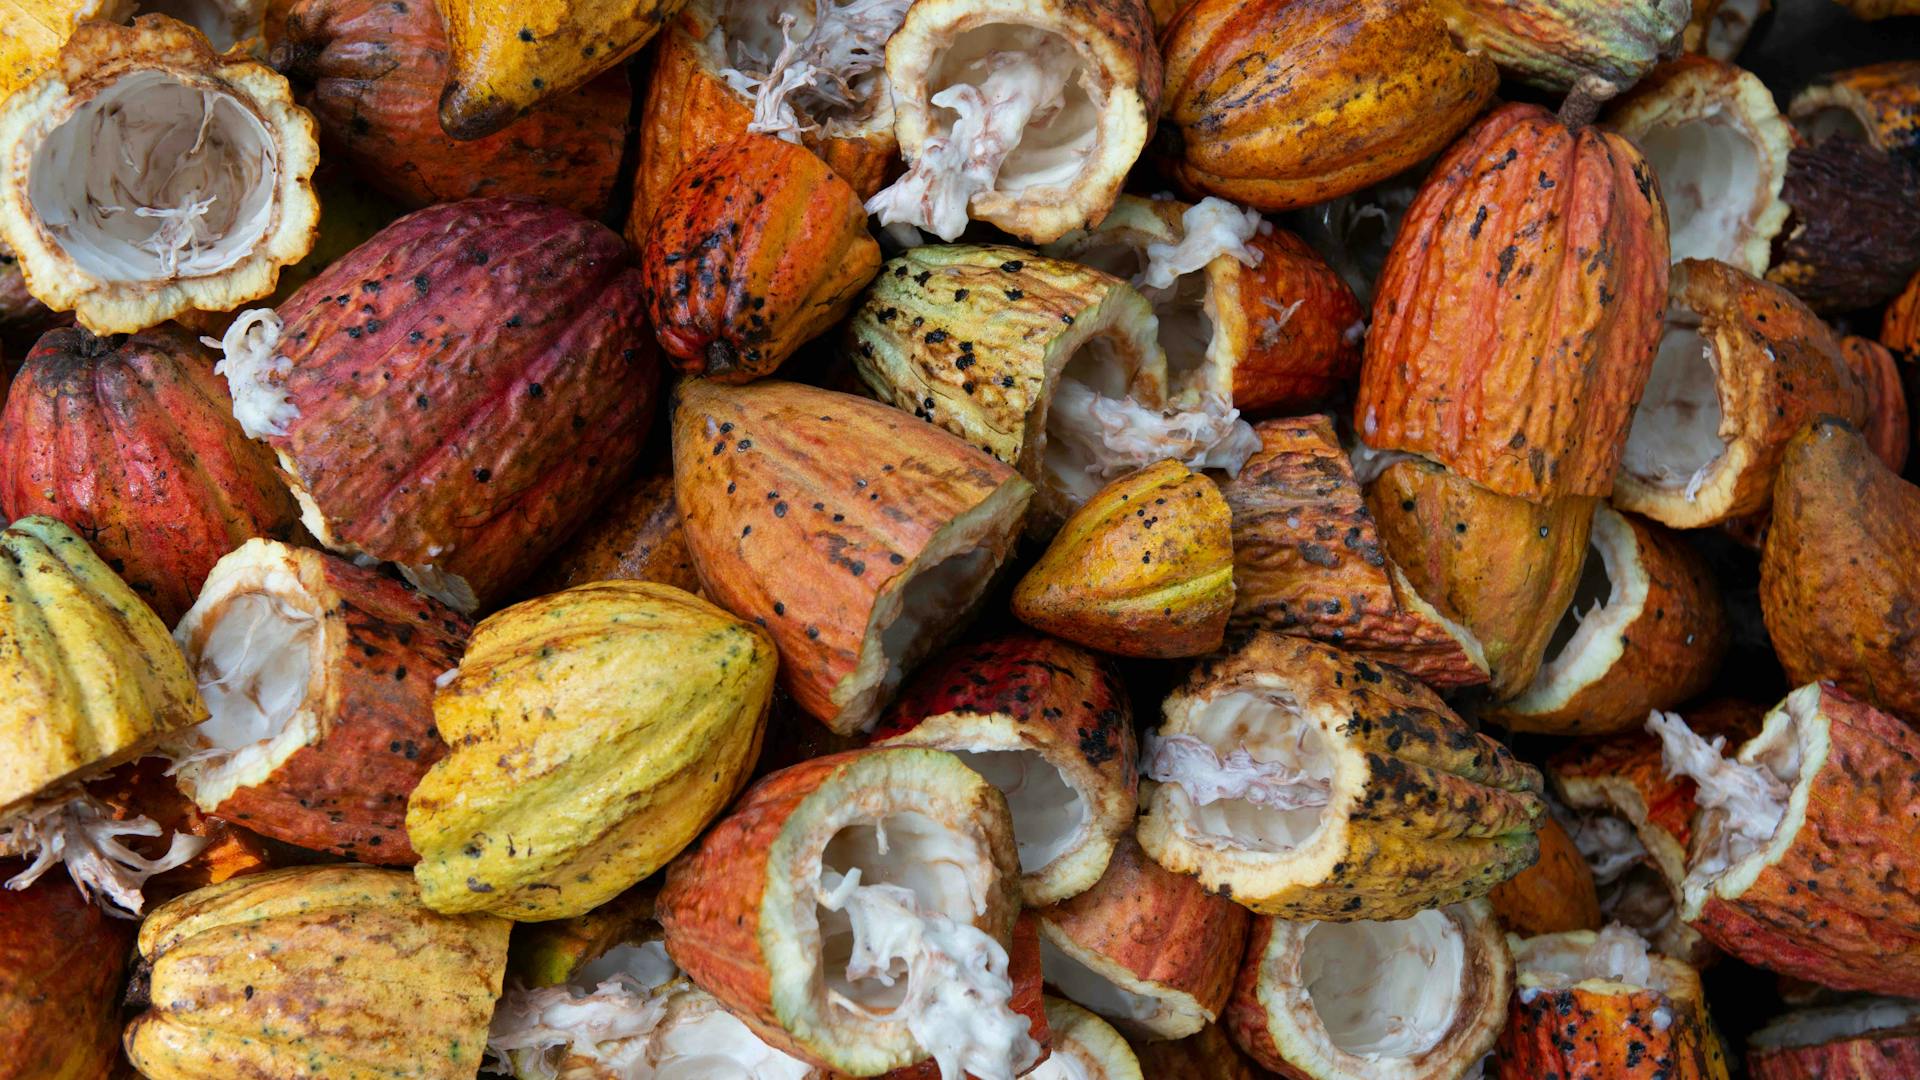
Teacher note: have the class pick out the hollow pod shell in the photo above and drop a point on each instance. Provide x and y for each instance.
(1306, 782)
(213, 233)
(1049, 725)
(860, 537)
(1588, 1004)
(747, 911)
(1149, 950)
(310, 972)
(1646, 630)
(320, 677)
(1797, 837)
(1411, 999)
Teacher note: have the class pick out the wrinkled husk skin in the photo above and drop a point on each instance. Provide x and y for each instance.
(1602, 1028)
(1265, 1017)
(1839, 587)
(756, 248)
(1668, 653)
(1888, 428)
(1502, 567)
(88, 676)
(1601, 46)
(1209, 1055)
(61, 961)
(1553, 895)
(371, 72)
(334, 971)
(1161, 928)
(807, 511)
(1831, 908)
(1259, 110)
(1426, 811)
(1854, 236)
(1777, 366)
(1284, 364)
(98, 55)
(1517, 318)
(1113, 43)
(1881, 1054)
(689, 109)
(1144, 568)
(1027, 691)
(517, 382)
(132, 442)
(506, 57)
(727, 905)
(1307, 558)
(593, 734)
(973, 338)
(1900, 325)
(144, 788)
(384, 645)
(1883, 98)
(635, 536)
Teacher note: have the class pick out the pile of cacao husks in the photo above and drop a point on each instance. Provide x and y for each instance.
(1068, 539)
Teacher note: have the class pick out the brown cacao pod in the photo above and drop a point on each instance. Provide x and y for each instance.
(1260, 110)
(1839, 586)
(1518, 314)
(756, 248)
(1854, 234)
(320, 677)
(132, 442)
(61, 961)
(456, 394)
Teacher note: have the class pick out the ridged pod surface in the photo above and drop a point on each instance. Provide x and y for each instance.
(1516, 320)
(1598, 46)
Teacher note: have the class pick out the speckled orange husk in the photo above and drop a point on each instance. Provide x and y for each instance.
(1295, 361)
(688, 109)
(132, 442)
(1832, 908)
(385, 645)
(1028, 692)
(807, 510)
(756, 248)
(634, 536)
(1209, 1055)
(1900, 325)
(712, 905)
(1839, 586)
(371, 72)
(1500, 566)
(1160, 928)
(143, 789)
(1144, 568)
(1259, 110)
(515, 377)
(1601, 1028)
(1554, 894)
(1307, 559)
(1515, 323)
(61, 961)
(1888, 428)
(1668, 653)
(1882, 100)
(1884, 1053)
(1776, 366)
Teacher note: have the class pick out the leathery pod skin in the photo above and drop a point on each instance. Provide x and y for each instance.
(62, 963)
(1050, 725)
(746, 915)
(1312, 784)
(1866, 1039)
(858, 536)
(1406, 999)
(455, 394)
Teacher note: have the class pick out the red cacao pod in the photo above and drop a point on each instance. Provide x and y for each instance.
(758, 247)
(61, 960)
(1516, 320)
(456, 394)
(132, 442)
(371, 73)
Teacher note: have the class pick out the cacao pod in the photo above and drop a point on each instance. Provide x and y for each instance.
(1868, 1039)
(61, 963)
(1877, 103)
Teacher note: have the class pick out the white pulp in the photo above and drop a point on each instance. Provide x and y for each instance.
(84, 835)
(1208, 778)
(825, 74)
(1209, 229)
(254, 374)
(1741, 805)
(1093, 438)
(1269, 728)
